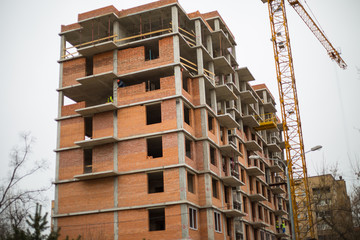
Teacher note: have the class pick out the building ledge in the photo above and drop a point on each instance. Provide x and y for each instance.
(252, 146)
(254, 171)
(232, 181)
(275, 168)
(96, 175)
(277, 189)
(256, 197)
(280, 212)
(222, 66)
(247, 97)
(223, 92)
(229, 150)
(227, 121)
(244, 74)
(250, 121)
(96, 109)
(97, 141)
(93, 49)
(273, 147)
(259, 224)
(233, 213)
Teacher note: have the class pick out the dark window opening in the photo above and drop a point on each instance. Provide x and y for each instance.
(245, 204)
(210, 122)
(187, 115)
(215, 188)
(243, 175)
(87, 160)
(228, 226)
(212, 156)
(191, 182)
(217, 221)
(185, 82)
(89, 66)
(155, 182)
(192, 218)
(152, 51)
(88, 127)
(157, 219)
(226, 193)
(154, 147)
(152, 85)
(188, 148)
(153, 114)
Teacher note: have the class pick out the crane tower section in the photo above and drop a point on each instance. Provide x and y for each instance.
(290, 112)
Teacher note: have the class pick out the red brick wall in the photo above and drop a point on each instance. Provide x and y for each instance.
(94, 226)
(68, 110)
(103, 62)
(86, 195)
(103, 158)
(132, 120)
(103, 124)
(72, 70)
(133, 59)
(137, 93)
(132, 154)
(71, 130)
(97, 12)
(70, 164)
(144, 7)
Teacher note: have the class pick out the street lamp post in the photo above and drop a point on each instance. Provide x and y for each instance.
(315, 148)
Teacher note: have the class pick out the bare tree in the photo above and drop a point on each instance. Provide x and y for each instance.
(15, 200)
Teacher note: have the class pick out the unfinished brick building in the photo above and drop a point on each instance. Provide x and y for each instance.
(166, 139)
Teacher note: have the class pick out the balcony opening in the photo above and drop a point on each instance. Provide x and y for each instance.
(188, 151)
(185, 83)
(87, 160)
(260, 213)
(155, 182)
(193, 218)
(157, 219)
(89, 66)
(191, 182)
(153, 84)
(224, 167)
(215, 188)
(210, 123)
(251, 184)
(245, 204)
(212, 156)
(88, 127)
(228, 226)
(217, 221)
(152, 51)
(153, 113)
(243, 175)
(154, 147)
(226, 193)
(187, 114)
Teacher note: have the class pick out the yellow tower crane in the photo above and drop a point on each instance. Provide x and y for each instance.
(295, 154)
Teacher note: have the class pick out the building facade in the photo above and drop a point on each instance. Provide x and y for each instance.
(331, 208)
(165, 137)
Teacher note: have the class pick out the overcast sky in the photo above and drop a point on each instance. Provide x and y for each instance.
(328, 96)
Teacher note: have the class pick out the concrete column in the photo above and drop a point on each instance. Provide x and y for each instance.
(175, 19)
(209, 45)
(210, 223)
(206, 156)
(178, 80)
(217, 24)
(115, 61)
(211, 68)
(213, 100)
(116, 216)
(202, 90)
(179, 113)
(264, 97)
(62, 46)
(182, 182)
(116, 30)
(184, 221)
(236, 76)
(198, 32)
(204, 122)
(233, 51)
(200, 61)
(181, 147)
(176, 43)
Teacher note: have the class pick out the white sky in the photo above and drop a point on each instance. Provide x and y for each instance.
(328, 96)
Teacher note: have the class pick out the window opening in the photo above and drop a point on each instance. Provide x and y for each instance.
(157, 219)
(210, 123)
(154, 147)
(228, 226)
(151, 85)
(155, 182)
(226, 193)
(185, 83)
(217, 217)
(215, 188)
(152, 51)
(88, 127)
(186, 114)
(153, 113)
(192, 218)
(188, 148)
(191, 182)
(89, 65)
(212, 156)
(87, 160)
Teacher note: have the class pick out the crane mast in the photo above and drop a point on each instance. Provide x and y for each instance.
(290, 112)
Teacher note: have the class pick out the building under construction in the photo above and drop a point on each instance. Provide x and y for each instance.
(166, 138)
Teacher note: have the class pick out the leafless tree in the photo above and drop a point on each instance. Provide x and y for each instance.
(15, 199)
